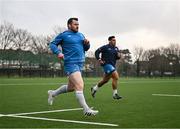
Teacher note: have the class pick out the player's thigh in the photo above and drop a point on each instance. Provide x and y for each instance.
(76, 80)
(106, 77)
(115, 75)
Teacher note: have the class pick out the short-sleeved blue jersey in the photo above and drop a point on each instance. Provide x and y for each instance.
(72, 44)
(109, 54)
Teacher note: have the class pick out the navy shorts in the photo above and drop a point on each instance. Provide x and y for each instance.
(108, 68)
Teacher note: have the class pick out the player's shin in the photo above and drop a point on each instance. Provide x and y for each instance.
(62, 89)
(81, 99)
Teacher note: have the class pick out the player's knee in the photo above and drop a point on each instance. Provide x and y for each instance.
(79, 87)
(116, 78)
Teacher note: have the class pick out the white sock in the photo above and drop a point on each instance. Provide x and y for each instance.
(114, 92)
(95, 87)
(60, 90)
(81, 99)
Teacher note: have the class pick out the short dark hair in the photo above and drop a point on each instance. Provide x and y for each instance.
(110, 38)
(71, 19)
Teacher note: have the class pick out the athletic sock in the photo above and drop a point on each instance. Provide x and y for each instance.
(81, 99)
(62, 89)
(95, 87)
(114, 92)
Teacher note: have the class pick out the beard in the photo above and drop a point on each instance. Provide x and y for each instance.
(75, 29)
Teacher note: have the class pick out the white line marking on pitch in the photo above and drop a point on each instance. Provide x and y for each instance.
(1, 115)
(62, 120)
(19, 115)
(41, 112)
(169, 95)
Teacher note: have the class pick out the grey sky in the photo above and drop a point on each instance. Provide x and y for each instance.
(148, 23)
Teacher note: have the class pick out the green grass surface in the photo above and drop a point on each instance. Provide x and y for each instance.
(138, 108)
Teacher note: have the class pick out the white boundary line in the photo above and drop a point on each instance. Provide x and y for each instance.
(22, 115)
(62, 120)
(41, 112)
(1, 115)
(168, 95)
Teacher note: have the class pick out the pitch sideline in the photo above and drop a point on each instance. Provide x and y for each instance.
(166, 95)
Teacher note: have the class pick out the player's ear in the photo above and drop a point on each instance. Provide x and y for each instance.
(69, 25)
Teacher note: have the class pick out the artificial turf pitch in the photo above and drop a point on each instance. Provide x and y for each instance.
(138, 108)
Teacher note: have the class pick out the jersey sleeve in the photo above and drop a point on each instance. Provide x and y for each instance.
(85, 46)
(98, 51)
(54, 44)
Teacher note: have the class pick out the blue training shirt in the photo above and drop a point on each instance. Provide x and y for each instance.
(72, 44)
(109, 54)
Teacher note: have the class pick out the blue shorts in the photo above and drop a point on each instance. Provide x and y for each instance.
(70, 68)
(108, 68)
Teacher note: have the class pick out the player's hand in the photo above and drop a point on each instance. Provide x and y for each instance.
(101, 61)
(86, 41)
(61, 56)
(120, 55)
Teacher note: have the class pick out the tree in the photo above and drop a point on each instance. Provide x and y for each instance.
(22, 39)
(21, 42)
(138, 53)
(39, 44)
(173, 55)
(123, 65)
(7, 35)
(145, 63)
